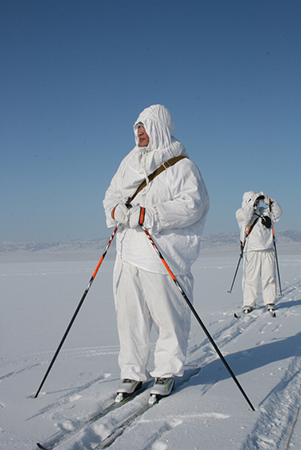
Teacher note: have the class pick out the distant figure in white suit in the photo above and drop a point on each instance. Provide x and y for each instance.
(256, 235)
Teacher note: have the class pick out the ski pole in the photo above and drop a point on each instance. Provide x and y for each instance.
(240, 258)
(242, 246)
(197, 316)
(277, 265)
(276, 257)
(77, 310)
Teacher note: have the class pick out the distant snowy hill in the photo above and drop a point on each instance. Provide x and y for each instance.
(50, 247)
(287, 242)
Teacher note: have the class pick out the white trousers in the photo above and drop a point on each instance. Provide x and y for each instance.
(259, 264)
(142, 299)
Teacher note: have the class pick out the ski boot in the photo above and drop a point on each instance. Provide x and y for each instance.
(126, 388)
(247, 309)
(270, 307)
(161, 388)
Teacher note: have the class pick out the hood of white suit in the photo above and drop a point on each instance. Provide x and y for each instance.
(158, 125)
(248, 196)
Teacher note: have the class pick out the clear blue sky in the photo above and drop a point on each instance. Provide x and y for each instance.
(75, 74)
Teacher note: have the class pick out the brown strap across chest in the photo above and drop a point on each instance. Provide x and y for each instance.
(160, 169)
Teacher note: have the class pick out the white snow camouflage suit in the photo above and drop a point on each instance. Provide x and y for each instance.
(176, 205)
(259, 254)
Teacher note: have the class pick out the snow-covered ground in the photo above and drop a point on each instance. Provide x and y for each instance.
(41, 287)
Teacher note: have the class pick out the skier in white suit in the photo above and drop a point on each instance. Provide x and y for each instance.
(256, 234)
(172, 206)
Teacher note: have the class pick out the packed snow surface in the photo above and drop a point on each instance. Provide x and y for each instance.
(41, 287)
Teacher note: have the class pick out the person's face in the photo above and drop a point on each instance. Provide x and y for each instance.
(143, 137)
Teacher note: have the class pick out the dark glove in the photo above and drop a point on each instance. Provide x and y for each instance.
(265, 198)
(266, 221)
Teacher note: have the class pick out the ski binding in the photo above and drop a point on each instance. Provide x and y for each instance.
(119, 397)
(154, 398)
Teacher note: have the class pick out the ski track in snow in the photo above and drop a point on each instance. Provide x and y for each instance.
(273, 428)
(276, 412)
(43, 359)
(276, 415)
(267, 433)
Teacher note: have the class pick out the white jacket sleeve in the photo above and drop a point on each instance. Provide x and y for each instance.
(276, 211)
(188, 202)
